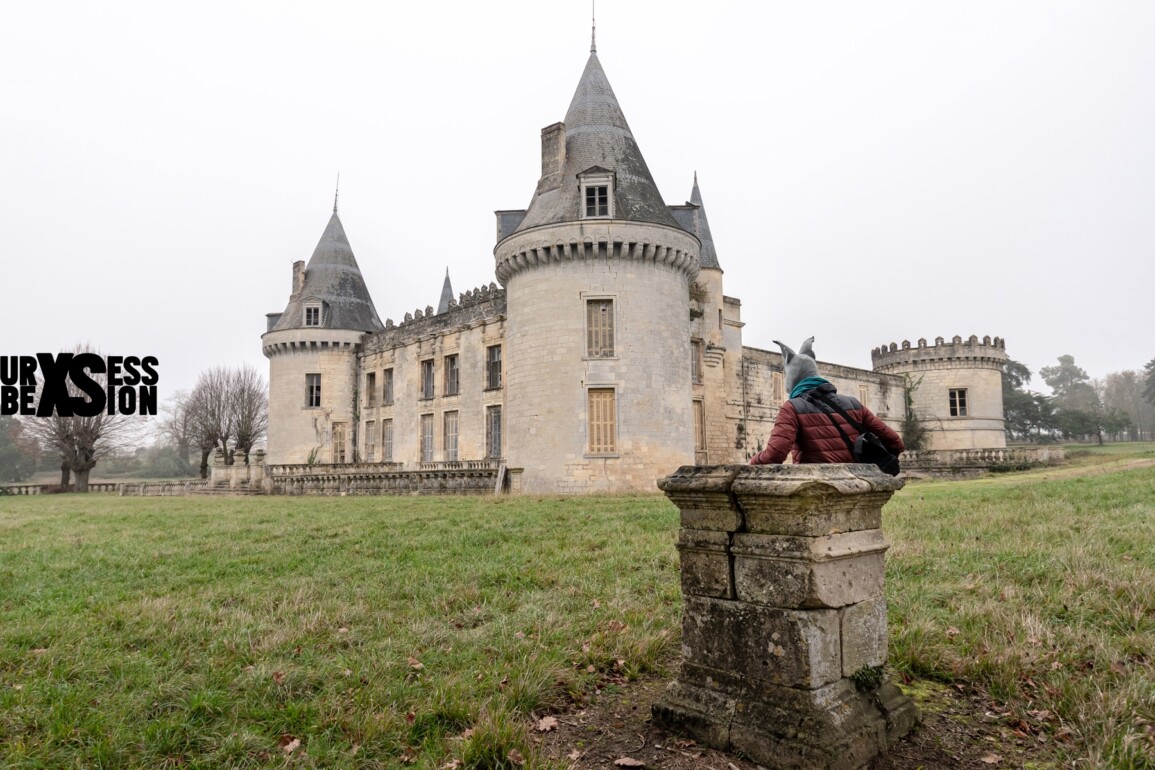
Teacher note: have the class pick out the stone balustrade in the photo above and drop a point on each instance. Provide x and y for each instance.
(784, 617)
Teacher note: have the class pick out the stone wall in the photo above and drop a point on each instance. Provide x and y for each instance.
(551, 373)
(971, 365)
(472, 325)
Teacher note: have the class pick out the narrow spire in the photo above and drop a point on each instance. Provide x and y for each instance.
(337, 192)
(446, 294)
(593, 26)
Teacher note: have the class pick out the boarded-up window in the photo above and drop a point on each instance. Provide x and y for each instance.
(603, 421)
(493, 431)
(778, 385)
(426, 438)
(387, 441)
(864, 395)
(450, 436)
(427, 379)
(600, 328)
(370, 441)
(696, 352)
(699, 426)
(452, 376)
(371, 389)
(493, 367)
(338, 442)
(387, 387)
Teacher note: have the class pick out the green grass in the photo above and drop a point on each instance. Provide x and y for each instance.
(412, 632)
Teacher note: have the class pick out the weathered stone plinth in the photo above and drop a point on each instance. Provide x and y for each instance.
(784, 622)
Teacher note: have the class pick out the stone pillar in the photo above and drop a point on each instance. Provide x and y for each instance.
(784, 617)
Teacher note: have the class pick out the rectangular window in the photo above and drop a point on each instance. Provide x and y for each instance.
(958, 402)
(338, 442)
(387, 441)
(426, 438)
(493, 431)
(312, 315)
(387, 388)
(864, 395)
(371, 389)
(600, 328)
(451, 436)
(597, 201)
(312, 390)
(370, 441)
(699, 426)
(427, 379)
(602, 421)
(778, 385)
(493, 367)
(452, 376)
(696, 352)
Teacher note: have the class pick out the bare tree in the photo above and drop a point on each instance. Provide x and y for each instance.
(249, 404)
(228, 409)
(81, 441)
(178, 427)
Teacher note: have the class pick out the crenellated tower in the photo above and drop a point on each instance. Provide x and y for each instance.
(313, 347)
(597, 273)
(958, 390)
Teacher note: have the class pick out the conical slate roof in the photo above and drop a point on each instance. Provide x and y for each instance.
(333, 277)
(597, 134)
(708, 257)
(446, 294)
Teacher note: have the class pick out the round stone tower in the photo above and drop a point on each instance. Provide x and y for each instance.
(958, 388)
(597, 275)
(312, 349)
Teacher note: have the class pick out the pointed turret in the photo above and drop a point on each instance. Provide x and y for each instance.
(446, 294)
(598, 140)
(333, 283)
(707, 257)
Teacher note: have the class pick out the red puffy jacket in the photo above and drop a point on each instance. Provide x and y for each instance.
(806, 429)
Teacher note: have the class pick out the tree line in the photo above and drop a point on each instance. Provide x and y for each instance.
(1118, 407)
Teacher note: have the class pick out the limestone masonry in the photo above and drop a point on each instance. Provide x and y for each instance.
(608, 356)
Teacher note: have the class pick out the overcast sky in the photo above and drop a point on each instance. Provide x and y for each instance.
(872, 171)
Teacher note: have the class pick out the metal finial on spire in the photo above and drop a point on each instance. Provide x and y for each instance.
(593, 26)
(337, 192)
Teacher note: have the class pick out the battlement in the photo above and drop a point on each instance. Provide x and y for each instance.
(970, 351)
(470, 308)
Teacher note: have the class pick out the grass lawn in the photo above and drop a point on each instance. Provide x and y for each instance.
(420, 632)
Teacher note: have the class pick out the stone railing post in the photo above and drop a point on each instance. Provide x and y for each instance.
(784, 617)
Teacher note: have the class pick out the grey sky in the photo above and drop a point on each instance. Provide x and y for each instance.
(872, 171)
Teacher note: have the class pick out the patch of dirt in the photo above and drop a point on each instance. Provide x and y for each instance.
(958, 732)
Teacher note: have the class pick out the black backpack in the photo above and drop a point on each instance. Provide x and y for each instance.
(867, 448)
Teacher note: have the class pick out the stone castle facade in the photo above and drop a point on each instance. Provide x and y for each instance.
(608, 356)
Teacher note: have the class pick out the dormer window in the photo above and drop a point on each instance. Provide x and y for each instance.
(313, 314)
(598, 201)
(597, 186)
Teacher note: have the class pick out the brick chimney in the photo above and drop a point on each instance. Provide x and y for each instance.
(552, 155)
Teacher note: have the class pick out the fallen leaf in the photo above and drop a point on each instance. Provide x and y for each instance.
(452, 764)
(952, 632)
(616, 625)
(591, 668)
(516, 757)
(1118, 668)
(991, 759)
(410, 717)
(415, 664)
(408, 757)
(574, 755)
(278, 676)
(629, 762)
(545, 724)
(585, 648)
(17, 687)
(597, 604)
(289, 744)
(342, 630)
(519, 635)
(467, 734)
